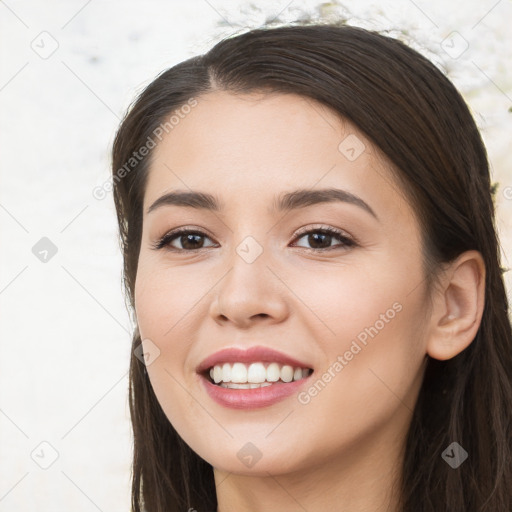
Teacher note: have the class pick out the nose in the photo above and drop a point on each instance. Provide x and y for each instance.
(250, 292)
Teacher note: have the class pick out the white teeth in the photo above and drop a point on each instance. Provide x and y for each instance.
(287, 373)
(226, 372)
(273, 372)
(217, 374)
(242, 376)
(238, 373)
(256, 373)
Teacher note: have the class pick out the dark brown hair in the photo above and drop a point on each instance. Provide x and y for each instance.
(416, 117)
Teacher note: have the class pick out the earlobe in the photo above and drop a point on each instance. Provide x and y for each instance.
(458, 307)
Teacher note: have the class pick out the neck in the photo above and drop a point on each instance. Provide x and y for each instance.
(361, 478)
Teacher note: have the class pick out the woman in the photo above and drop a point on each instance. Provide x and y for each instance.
(307, 227)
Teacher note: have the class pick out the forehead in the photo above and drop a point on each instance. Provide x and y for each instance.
(256, 145)
(241, 125)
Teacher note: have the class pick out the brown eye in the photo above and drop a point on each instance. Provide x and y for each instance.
(188, 240)
(193, 240)
(321, 239)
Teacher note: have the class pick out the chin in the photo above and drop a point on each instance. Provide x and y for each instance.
(250, 459)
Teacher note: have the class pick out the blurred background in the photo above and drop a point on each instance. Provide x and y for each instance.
(68, 72)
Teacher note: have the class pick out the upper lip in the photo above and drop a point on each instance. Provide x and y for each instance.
(250, 355)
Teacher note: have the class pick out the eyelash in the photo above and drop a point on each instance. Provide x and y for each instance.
(165, 241)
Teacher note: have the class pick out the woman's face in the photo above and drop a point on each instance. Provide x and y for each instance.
(349, 307)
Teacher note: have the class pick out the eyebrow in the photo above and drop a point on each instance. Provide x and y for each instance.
(283, 203)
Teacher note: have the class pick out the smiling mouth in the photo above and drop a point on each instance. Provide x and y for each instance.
(254, 375)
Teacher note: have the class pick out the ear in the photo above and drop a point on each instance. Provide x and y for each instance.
(458, 305)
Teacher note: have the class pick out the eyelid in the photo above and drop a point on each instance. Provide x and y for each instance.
(322, 227)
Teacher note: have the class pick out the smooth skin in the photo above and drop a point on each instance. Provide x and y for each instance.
(342, 450)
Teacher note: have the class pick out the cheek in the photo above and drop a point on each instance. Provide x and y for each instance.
(162, 308)
(371, 335)
(158, 309)
(341, 301)
(370, 381)
(165, 299)
(168, 304)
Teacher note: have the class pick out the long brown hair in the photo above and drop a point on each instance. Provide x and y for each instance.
(417, 118)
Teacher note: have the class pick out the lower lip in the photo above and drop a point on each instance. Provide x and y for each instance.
(252, 398)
